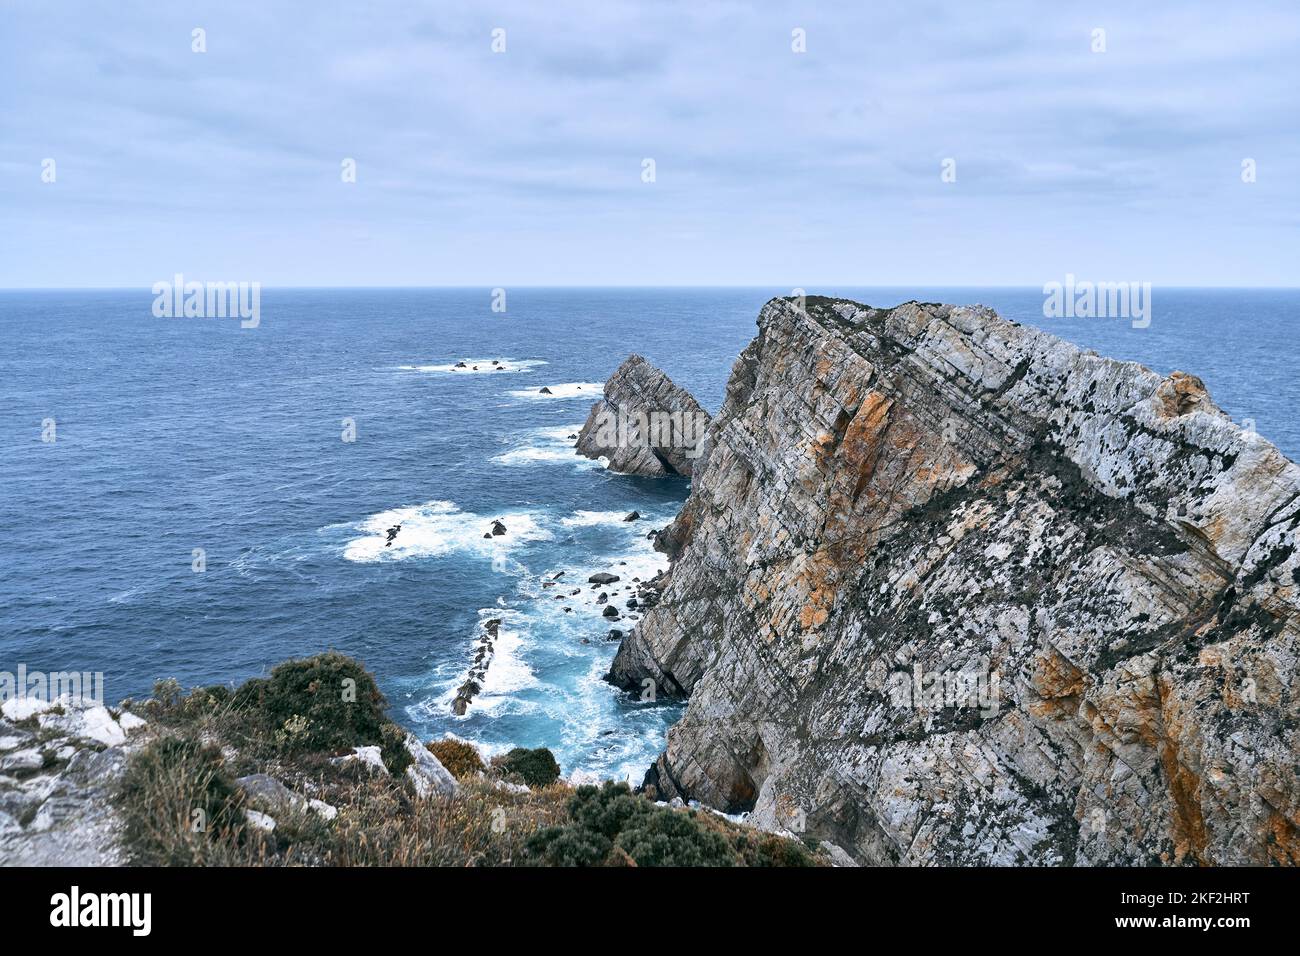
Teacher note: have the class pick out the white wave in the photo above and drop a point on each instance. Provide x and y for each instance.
(477, 366)
(439, 527)
(589, 390)
(507, 671)
(592, 519)
(547, 445)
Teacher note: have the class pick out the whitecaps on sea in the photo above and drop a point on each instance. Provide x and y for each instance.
(588, 390)
(547, 445)
(439, 527)
(477, 366)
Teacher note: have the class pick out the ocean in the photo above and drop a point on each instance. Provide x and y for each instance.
(173, 436)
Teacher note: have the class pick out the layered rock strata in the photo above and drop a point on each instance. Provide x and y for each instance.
(948, 589)
(644, 424)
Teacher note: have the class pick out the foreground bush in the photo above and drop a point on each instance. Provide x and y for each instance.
(611, 826)
(326, 703)
(460, 758)
(535, 768)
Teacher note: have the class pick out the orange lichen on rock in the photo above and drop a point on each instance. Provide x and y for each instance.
(1187, 822)
(1179, 394)
(1282, 841)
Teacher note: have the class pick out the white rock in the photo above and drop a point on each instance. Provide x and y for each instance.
(130, 721)
(323, 809)
(427, 773)
(93, 723)
(370, 756)
(259, 821)
(29, 759)
(20, 708)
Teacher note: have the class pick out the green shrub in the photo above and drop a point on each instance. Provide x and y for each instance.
(323, 703)
(179, 806)
(460, 758)
(768, 849)
(666, 837)
(612, 826)
(536, 768)
(392, 749)
(567, 846)
(607, 809)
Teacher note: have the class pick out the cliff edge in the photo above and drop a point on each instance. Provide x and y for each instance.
(951, 590)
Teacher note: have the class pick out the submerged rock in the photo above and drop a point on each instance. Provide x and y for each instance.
(644, 424)
(949, 590)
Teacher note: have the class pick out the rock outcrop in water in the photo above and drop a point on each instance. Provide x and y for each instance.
(950, 590)
(644, 424)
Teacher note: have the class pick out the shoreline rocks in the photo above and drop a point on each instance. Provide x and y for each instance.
(484, 650)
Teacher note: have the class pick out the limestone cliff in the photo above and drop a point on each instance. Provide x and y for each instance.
(948, 589)
(644, 424)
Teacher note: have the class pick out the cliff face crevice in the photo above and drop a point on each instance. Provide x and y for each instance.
(950, 590)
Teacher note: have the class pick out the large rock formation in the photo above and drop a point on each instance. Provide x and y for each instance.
(950, 590)
(644, 424)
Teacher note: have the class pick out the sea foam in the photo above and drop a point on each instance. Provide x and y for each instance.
(588, 390)
(546, 445)
(477, 366)
(440, 527)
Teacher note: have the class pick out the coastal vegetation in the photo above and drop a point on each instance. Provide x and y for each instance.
(303, 767)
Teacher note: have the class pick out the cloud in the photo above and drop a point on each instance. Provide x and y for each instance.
(525, 166)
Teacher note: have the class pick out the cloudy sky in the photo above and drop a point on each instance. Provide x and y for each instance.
(771, 167)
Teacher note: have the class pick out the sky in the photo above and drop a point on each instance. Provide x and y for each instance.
(528, 166)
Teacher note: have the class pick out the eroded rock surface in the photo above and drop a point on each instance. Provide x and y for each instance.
(644, 424)
(950, 590)
(58, 763)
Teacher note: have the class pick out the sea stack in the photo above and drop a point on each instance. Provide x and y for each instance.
(644, 424)
(950, 590)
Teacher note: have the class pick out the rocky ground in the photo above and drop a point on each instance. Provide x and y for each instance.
(57, 764)
(950, 590)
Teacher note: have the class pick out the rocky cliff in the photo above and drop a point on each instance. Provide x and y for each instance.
(644, 424)
(950, 590)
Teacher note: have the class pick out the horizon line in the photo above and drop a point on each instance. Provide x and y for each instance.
(687, 286)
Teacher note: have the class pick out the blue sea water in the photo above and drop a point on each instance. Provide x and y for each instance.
(181, 434)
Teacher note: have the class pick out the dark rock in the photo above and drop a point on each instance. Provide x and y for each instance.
(632, 516)
(602, 577)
